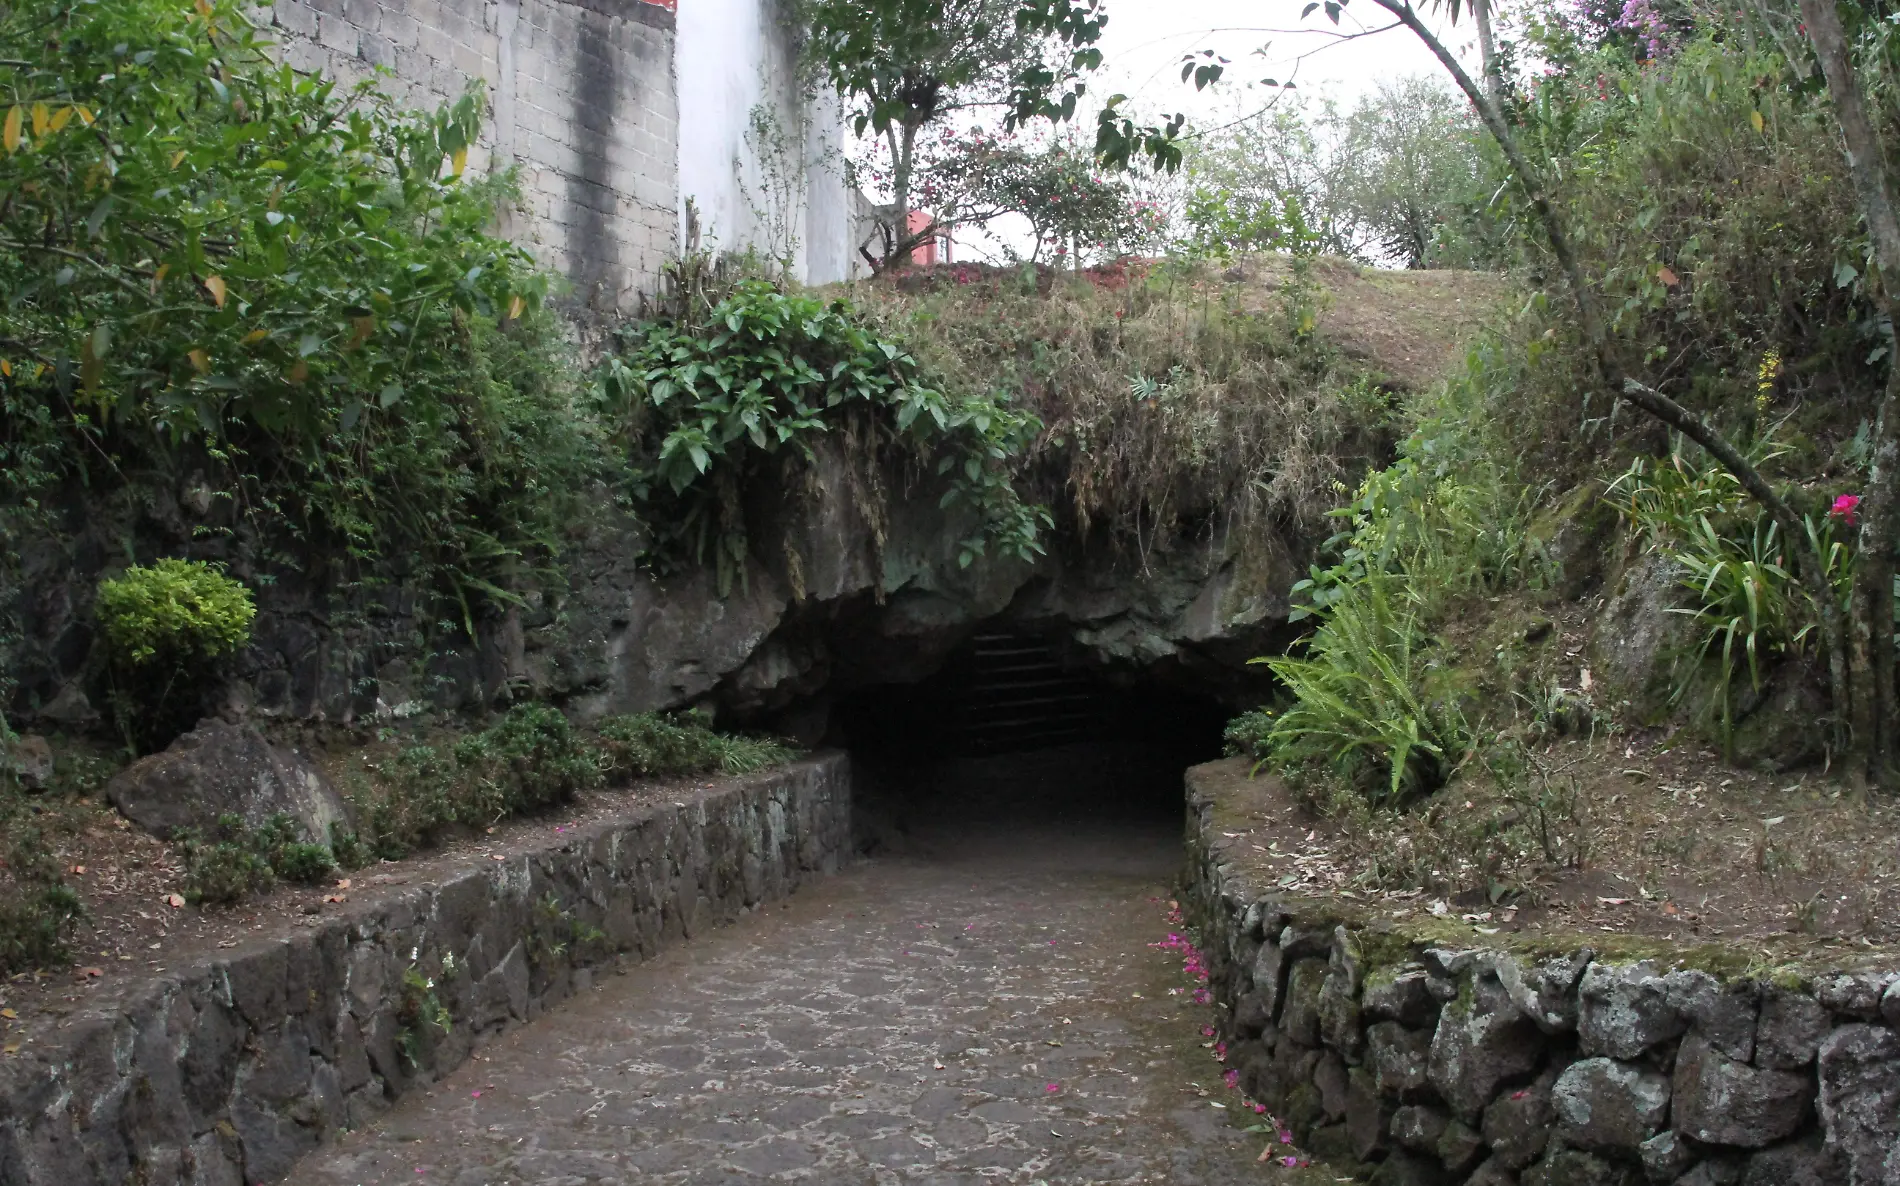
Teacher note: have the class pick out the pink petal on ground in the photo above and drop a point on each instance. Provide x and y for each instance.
(1053, 1087)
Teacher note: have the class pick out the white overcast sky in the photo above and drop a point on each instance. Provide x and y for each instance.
(1145, 40)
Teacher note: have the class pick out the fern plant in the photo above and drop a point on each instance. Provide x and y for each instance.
(1367, 702)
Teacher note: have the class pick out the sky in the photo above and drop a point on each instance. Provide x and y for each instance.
(1145, 40)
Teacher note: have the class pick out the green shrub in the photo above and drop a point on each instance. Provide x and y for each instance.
(176, 611)
(716, 394)
(235, 861)
(532, 758)
(225, 867)
(658, 745)
(291, 288)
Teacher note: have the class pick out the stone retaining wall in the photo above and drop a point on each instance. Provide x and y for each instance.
(1415, 1063)
(228, 1071)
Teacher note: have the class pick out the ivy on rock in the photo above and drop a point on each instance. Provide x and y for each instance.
(714, 392)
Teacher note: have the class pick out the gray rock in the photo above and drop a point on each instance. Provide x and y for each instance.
(1807, 1162)
(1299, 1016)
(1403, 995)
(1492, 1173)
(1418, 1127)
(1790, 1031)
(1716, 1171)
(1479, 1044)
(1518, 1123)
(32, 761)
(1890, 1005)
(1546, 993)
(1854, 994)
(1608, 1106)
(1637, 631)
(1330, 1077)
(1665, 1156)
(1399, 1060)
(1859, 1070)
(220, 768)
(1459, 1147)
(1339, 1023)
(1301, 942)
(1405, 1168)
(1268, 966)
(1722, 1013)
(1723, 1102)
(1368, 1115)
(1624, 1011)
(1574, 1167)
(1250, 1015)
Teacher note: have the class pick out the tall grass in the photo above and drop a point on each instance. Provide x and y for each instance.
(1167, 392)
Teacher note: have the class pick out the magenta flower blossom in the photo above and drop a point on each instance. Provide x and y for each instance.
(1846, 508)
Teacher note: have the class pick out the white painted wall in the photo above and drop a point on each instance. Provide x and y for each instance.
(773, 191)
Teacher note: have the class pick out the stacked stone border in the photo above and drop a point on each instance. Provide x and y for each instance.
(1409, 1062)
(225, 1073)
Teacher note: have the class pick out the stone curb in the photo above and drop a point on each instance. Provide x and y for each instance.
(225, 1073)
(1415, 1063)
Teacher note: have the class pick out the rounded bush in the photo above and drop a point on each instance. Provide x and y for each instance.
(181, 609)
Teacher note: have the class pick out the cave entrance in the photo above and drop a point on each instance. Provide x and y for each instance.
(1016, 740)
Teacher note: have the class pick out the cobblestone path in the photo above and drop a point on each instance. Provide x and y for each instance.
(990, 1011)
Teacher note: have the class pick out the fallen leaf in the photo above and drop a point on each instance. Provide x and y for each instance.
(343, 883)
(1669, 279)
(1613, 901)
(91, 973)
(175, 901)
(336, 898)
(9, 1014)
(11, 1048)
(215, 286)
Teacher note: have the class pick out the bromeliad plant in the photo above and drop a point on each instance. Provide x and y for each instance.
(718, 393)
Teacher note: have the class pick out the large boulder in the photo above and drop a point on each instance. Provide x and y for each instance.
(221, 768)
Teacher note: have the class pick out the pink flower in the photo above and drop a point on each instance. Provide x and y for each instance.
(1052, 1088)
(1231, 1078)
(1846, 508)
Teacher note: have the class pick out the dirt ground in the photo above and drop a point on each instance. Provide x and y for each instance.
(140, 926)
(1671, 845)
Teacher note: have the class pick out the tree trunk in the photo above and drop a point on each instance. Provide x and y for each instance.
(903, 148)
(1873, 579)
(1811, 568)
(1488, 51)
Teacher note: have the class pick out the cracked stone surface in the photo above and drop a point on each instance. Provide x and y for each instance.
(987, 1009)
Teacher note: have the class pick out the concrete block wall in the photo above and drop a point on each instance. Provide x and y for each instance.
(582, 99)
